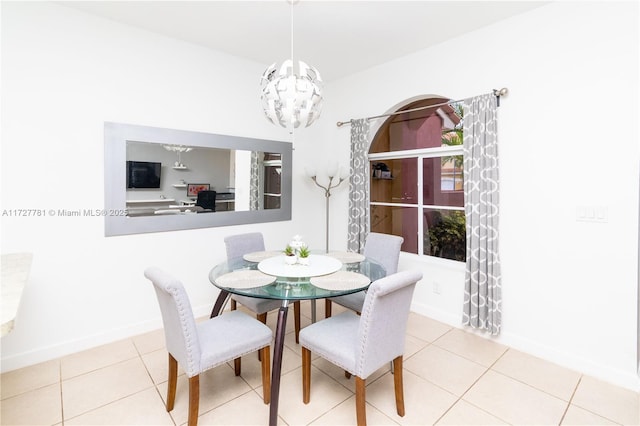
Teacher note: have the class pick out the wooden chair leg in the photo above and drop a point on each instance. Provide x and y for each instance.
(233, 305)
(171, 384)
(361, 409)
(397, 382)
(263, 319)
(327, 308)
(296, 318)
(237, 366)
(306, 375)
(194, 400)
(266, 373)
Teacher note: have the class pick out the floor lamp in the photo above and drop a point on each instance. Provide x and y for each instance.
(332, 171)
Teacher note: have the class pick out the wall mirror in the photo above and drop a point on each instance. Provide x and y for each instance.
(166, 180)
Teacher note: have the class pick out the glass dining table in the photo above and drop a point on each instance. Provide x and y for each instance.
(331, 275)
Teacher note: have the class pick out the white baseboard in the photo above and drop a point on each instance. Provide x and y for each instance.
(438, 315)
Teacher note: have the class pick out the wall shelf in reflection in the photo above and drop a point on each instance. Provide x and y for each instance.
(179, 185)
(155, 200)
(180, 167)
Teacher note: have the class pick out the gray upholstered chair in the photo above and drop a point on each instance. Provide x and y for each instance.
(362, 344)
(197, 347)
(239, 245)
(383, 248)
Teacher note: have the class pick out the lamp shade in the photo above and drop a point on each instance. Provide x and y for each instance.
(291, 99)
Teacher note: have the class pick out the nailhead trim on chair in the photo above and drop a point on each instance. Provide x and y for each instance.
(189, 337)
(366, 309)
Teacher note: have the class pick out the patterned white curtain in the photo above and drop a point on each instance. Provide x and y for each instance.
(359, 186)
(254, 190)
(482, 298)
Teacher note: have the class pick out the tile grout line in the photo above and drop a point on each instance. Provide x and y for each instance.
(330, 378)
(61, 394)
(583, 408)
(350, 396)
(250, 391)
(575, 389)
(460, 398)
(527, 384)
(155, 385)
(487, 368)
(515, 379)
(117, 399)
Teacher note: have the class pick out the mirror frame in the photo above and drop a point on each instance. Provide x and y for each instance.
(117, 222)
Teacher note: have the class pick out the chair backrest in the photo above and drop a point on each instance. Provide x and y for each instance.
(241, 244)
(383, 322)
(180, 330)
(207, 200)
(384, 248)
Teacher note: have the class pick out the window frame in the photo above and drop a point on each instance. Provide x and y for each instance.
(419, 155)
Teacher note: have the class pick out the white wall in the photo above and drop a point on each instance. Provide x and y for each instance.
(64, 73)
(570, 288)
(568, 134)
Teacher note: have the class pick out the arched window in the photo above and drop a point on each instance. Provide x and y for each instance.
(417, 181)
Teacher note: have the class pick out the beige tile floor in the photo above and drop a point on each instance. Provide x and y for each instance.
(450, 377)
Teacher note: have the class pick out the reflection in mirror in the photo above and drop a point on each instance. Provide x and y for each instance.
(162, 179)
(170, 179)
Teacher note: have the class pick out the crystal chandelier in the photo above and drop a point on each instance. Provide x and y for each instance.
(292, 95)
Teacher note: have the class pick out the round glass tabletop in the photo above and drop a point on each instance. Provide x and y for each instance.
(299, 286)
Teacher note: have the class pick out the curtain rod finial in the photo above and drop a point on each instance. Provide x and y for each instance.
(501, 92)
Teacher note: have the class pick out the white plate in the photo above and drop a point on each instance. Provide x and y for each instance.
(347, 256)
(341, 280)
(244, 279)
(318, 265)
(260, 255)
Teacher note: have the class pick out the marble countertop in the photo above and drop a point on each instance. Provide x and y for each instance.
(15, 274)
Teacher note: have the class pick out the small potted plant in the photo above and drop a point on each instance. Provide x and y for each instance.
(303, 255)
(290, 255)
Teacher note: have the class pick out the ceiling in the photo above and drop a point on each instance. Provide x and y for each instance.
(337, 37)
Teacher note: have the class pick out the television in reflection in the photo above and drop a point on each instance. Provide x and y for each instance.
(143, 174)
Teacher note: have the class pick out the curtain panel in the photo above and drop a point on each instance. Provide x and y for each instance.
(358, 227)
(482, 297)
(254, 189)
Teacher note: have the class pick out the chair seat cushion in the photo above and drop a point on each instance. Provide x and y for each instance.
(334, 339)
(257, 305)
(230, 336)
(353, 301)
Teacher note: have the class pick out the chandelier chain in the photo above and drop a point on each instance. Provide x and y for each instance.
(291, 31)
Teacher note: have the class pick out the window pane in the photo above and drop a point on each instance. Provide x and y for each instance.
(444, 234)
(418, 132)
(394, 181)
(443, 181)
(401, 221)
(425, 128)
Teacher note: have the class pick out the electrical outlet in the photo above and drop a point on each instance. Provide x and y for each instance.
(599, 214)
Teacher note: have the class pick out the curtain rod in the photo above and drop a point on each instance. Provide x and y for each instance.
(497, 93)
